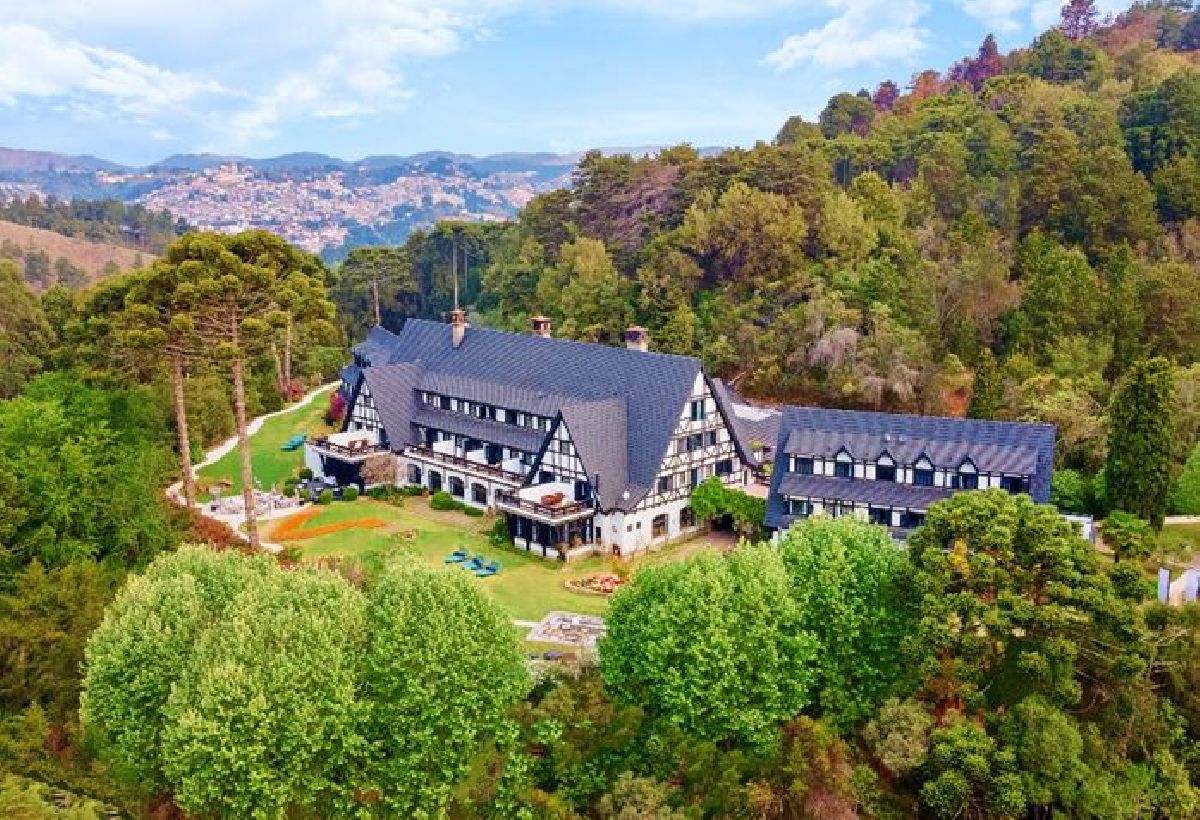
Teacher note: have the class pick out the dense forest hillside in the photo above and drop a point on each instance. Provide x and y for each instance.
(1004, 237)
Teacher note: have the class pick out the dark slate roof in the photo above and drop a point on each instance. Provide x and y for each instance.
(509, 435)
(993, 446)
(513, 369)
(391, 388)
(377, 347)
(862, 491)
(594, 427)
(750, 423)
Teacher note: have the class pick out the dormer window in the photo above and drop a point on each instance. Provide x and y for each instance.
(967, 477)
(802, 465)
(1014, 484)
(885, 468)
(923, 472)
(843, 465)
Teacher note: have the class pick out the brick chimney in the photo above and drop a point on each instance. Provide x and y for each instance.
(637, 338)
(458, 326)
(540, 326)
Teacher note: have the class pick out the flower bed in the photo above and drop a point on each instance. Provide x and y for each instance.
(602, 583)
(291, 528)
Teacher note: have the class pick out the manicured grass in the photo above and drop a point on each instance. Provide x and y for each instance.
(527, 587)
(1180, 542)
(272, 465)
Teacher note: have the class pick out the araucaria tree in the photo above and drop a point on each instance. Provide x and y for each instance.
(238, 291)
(1141, 440)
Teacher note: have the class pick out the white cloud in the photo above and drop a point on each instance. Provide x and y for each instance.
(998, 15)
(37, 64)
(863, 31)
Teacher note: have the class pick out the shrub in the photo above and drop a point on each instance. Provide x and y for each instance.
(412, 490)
(326, 497)
(474, 512)
(1185, 500)
(350, 493)
(499, 536)
(442, 500)
(306, 474)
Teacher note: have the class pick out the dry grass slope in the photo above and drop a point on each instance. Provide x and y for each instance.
(90, 256)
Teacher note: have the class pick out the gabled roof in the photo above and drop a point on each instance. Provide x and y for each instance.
(391, 387)
(749, 422)
(547, 376)
(993, 446)
(594, 427)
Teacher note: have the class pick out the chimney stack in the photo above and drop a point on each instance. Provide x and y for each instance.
(540, 326)
(637, 338)
(458, 326)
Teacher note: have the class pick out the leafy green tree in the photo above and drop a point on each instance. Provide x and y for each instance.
(987, 390)
(369, 269)
(1127, 535)
(1163, 122)
(44, 622)
(898, 735)
(262, 716)
(848, 585)
(1123, 306)
(846, 114)
(25, 336)
(145, 645)
(1062, 293)
(440, 669)
(1141, 440)
(710, 645)
(969, 777)
(1185, 499)
(796, 130)
(594, 298)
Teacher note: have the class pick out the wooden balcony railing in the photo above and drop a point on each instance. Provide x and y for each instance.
(365, 449)
(466, 464)
(558, 512)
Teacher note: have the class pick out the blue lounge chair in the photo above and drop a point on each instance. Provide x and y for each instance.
(488, 571)
(474, 564)
(456, 556)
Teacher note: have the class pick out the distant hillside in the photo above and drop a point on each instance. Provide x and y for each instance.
(47, 258)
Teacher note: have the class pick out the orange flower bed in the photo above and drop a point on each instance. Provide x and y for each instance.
(291, 528)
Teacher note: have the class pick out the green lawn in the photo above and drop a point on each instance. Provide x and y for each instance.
(272, 465)
(527, 587)
(1180, 542)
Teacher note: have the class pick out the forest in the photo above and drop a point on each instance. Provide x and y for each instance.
(1015, 237)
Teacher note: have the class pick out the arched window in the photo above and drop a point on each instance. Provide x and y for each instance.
(658, 527)
(923, 472)
(968, 476)
(457, 488)
(435, 481)
(843, 465)
(479, 494)
(885, 468)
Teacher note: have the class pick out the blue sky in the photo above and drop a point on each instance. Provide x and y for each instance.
(135, 80)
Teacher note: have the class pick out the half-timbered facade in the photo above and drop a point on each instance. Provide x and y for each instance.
(583, 447)
(889, 468)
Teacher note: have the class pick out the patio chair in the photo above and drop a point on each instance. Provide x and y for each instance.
(456, 556)
(488, 571)
(474, 564)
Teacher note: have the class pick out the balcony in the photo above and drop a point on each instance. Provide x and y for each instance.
(545, 502)
(350, 446)
(467, 464)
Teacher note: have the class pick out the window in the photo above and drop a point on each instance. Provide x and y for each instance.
(923, 477)
(802, 466)
(457, 488)
(694, 478)
(885, 472)
(800, 507)
(698, 410)
(435, 481)
(658, 527)
(664, 484)
(1014, 484)
(444, 402)
(965, 481)
(687, 518)
(710, 438)
(414, 474)
(583, 490)
(911, 520)
(843, 469)
(725, 467)
(479, 494)
(880, 515)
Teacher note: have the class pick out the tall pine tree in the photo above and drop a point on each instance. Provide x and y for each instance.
(1141, 439)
